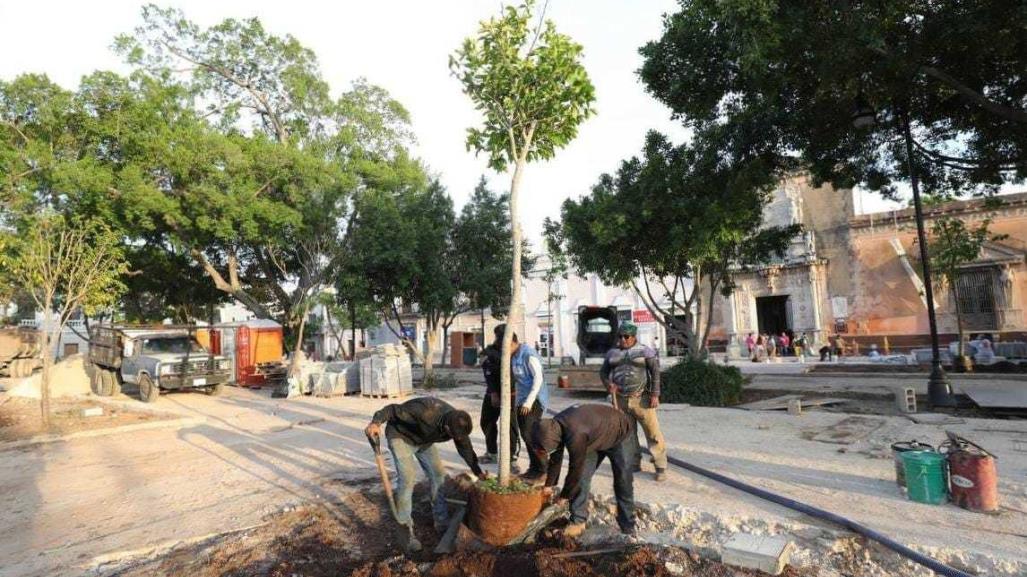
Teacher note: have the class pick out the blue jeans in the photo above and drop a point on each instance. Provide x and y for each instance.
(403, 453)
(623, 486)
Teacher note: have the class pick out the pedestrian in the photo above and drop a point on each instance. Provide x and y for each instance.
(800, 347)
(589, 433)
(785, 342)
(760, 354)
(750, 344)
(771, 347)
(490, 405)
(531, 393)
(631, 373)
(412, 430)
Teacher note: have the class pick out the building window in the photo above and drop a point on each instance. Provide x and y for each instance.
(975, 290)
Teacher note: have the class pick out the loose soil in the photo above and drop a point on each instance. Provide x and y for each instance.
(20, 418)
(357, 536)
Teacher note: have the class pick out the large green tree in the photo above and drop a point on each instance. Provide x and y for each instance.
(483, 244)
(675, 225)
(793, 75)
(533, 92)
(265, 203)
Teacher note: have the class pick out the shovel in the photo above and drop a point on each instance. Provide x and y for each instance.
(376, 445)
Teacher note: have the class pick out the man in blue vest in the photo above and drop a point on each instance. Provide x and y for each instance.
(531, 393)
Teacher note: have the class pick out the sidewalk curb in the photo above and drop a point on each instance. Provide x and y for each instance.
(179, 422)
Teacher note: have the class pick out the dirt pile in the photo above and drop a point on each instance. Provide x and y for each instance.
(67, 378)
(20, 417)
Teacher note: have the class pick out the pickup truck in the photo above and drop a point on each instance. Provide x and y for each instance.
(597, 333)
(155, 359)
(19, 352)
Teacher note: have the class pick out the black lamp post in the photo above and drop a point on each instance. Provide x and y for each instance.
(939, 390)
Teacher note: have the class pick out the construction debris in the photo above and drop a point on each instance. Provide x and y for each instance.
(760, 552)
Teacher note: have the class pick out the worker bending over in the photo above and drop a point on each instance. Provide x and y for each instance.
(414, 428)
(631, 373)
(589, 433)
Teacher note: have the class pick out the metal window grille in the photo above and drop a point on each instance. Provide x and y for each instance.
(975, 289)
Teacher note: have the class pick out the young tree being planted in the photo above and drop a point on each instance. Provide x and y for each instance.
(532, 91)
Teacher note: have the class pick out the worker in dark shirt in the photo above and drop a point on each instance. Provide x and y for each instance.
(491, 403)
(589, 433)
(414, 427)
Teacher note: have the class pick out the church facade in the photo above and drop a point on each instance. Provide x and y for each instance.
(860, 276)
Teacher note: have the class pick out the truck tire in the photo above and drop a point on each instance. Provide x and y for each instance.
(115, 383)
(109, 381)
(98, 384)
(214, 391)
(15, 369)
(148, 390)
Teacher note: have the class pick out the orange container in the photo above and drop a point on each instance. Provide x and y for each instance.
(974, 479)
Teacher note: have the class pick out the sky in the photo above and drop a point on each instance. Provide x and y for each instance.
(403, 46)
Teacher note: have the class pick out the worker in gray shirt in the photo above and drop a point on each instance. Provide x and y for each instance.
(631, 373)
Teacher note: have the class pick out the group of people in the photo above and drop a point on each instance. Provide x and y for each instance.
(588, 433)
(765, 347)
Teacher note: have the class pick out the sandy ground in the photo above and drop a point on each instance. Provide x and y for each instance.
(66, 506)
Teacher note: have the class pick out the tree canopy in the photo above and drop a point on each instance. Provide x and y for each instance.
(790, 75)
(674, 225)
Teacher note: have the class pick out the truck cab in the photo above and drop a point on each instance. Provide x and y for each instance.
(155, 359)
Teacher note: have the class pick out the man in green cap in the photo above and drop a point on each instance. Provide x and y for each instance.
(631, 372)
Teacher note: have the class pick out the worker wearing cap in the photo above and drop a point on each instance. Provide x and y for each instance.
(631, 373)
(589, 433)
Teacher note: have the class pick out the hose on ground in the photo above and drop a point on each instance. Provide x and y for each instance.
(929, 562)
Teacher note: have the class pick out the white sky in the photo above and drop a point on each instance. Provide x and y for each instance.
(402, 45)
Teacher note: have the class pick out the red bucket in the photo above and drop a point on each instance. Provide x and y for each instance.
(973, 476)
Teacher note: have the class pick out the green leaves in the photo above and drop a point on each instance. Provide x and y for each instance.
(953, 245)
(529, 86)
(788, 76)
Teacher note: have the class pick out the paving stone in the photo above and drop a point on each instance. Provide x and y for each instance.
(760, 552)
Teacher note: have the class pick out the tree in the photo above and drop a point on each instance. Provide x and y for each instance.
(533, 93)
(675, 225)
(267, 214)
(483, 243)
(791, 75)
(66, 266)
(402, 241)
(953, 246)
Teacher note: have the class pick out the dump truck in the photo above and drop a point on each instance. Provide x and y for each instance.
(596, 334)
(20, 349)
(155, 359)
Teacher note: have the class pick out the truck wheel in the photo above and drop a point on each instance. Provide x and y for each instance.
(108, 381)
(115, 383)
(148, 390)
(15, 369)
(215, 390)
(24, 367)
(95, 382)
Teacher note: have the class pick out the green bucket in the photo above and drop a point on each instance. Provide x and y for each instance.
(925, 476)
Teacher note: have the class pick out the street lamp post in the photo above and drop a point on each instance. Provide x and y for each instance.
(939, 390)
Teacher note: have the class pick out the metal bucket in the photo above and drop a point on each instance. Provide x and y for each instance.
(902, 447)
(925, 476)
(973, 475)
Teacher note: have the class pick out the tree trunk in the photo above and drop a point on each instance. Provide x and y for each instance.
(484, 341)
(44, 382)
(445, 345)
(431, 335)
(959, 327)
(513, 319)
(353, 331)
(294, 366)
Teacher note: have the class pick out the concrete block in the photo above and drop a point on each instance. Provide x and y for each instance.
(760, 552)
(92, 412)
(905, 399)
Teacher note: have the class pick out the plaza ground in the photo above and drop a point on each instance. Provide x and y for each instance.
(93, 506)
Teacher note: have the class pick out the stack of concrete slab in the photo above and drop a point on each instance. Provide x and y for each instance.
(338, 378)
(386, 372)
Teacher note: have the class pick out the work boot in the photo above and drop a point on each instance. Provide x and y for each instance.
(515, 469)
(412, 544)
(661, 475)
(574, 530)
(487, 459)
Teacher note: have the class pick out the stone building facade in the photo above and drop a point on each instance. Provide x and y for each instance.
(859, 276)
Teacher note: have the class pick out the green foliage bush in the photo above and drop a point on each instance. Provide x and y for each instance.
(702, 384)
(492, 485)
